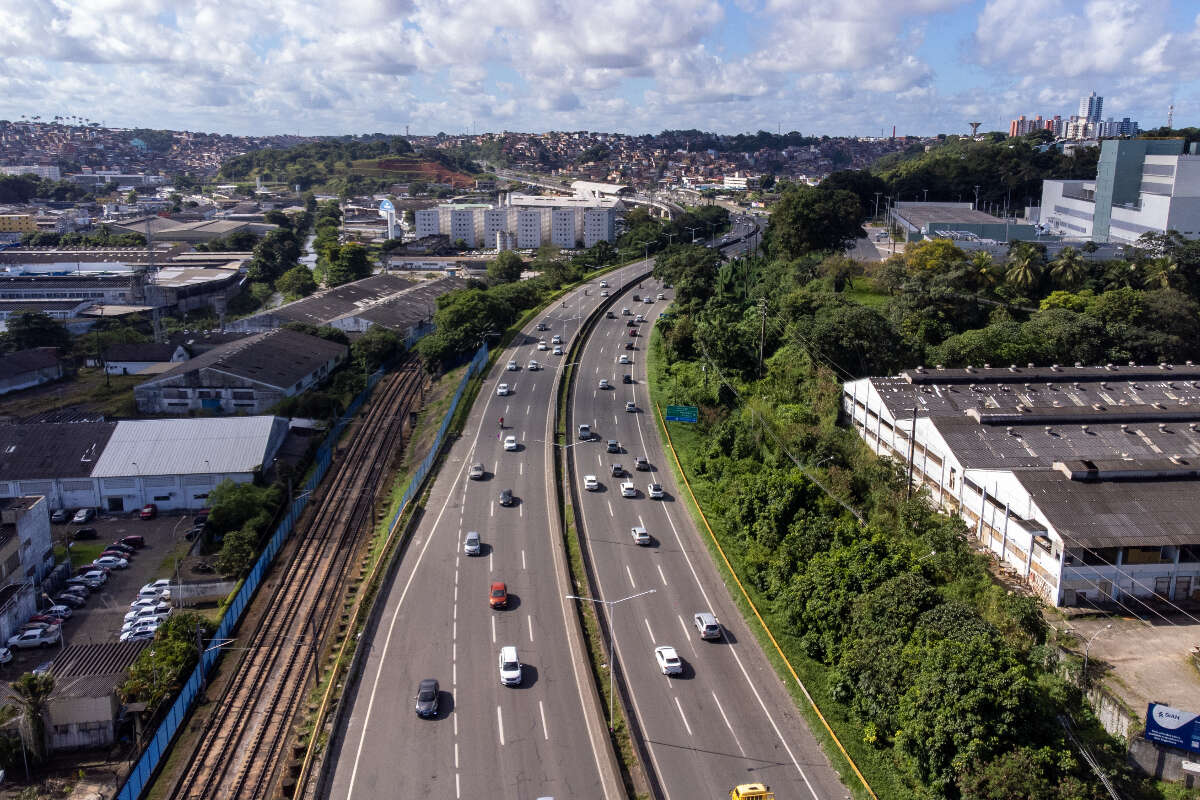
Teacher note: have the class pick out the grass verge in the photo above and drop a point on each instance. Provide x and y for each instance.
(875, 766)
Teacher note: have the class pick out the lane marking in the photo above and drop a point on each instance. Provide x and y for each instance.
(529, 619)
(649, 629)
(629, 572)
(681, 716)
(686, 634)
(736, 740)
(661, 575)
(610, 508)
(493, 630)
(457, 786)
(500, 724)
(456, 755)
(545, 730)
(522, 559)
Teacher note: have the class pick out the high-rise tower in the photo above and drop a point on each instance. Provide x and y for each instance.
(1090, 107)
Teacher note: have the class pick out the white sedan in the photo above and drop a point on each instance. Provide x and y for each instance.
(590, 483)
(655, 491)
(533, 366)
(628, 489)
(623, 359)
(512, 366)
(542, 345)
(502, 390)
(111, 562)
(510, 443)
(36, 638)
(668, 660)
(558, 351)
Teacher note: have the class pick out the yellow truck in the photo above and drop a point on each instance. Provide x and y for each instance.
(752, 791)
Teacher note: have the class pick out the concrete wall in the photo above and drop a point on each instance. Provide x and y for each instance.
(1165, 763)
(76, 723)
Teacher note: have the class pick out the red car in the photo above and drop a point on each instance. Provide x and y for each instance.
(498, 595)
(149, 511)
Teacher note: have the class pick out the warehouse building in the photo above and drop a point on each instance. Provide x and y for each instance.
(1082, 480)
(957, 221)
(248, 376)
(121, 466)
(84, 710)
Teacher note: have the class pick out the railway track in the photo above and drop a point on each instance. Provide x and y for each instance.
(242, 747)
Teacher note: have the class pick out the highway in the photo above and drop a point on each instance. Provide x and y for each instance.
(727, 719)
(487, 740)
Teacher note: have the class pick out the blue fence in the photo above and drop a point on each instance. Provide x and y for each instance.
(144, 769)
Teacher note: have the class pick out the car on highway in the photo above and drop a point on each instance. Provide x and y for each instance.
(471, 545)
(428, 692)
(630, 407)
(510, 666)
(510, 443)
(112, 562)
(542, 345)
(625, 312)
(512, 366)
(655, 491)
(617, 470)
(707, 625)
(58, 516)
(639, 318)
(498, 595)
(661, 297)
(603, 284)
(609, 315)
(641, 464)
(83, 516)
(628, 489)
(648, 300)
(668, 660)
(506, 497)
(626, 379)
(502, 390)
(630, 346)
(149, 511)
(85, 534)
(476, 472)
(541, 326)
(558, 351)
(585, 432)
(556, 339)
(603, 384)
(35, 638)
(533, 366)
(640, 535)
(614, 446)
(633, 333)
(604, 293)
(623, 359)
(590, 483)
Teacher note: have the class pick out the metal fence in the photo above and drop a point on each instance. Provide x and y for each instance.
(143, 770)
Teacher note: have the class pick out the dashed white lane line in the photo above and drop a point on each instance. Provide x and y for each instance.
(610, 508)
(521, 468)
(545, 730)
(629, 572)
(457, 786)
(500, 723)
(491, 555)
(736, 741)
(661, 575)
(527, 410)
(456, 755)
(679, 706)
(686, 635)
(529, 619)
(493, 630)
(649, 629)
(522, 559)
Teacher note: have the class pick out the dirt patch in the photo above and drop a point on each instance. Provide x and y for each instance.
(398, 168)
(87, 393)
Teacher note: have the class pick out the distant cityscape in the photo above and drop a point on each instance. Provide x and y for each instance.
(1088, 123)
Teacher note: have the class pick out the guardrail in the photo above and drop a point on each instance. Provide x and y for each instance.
(147, 765)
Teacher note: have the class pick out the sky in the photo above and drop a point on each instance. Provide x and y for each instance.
(835, 67)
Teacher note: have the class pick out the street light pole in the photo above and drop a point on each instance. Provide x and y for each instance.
(1086, 648)
(612, 635)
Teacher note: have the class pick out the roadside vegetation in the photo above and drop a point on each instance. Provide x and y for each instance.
(942, 684)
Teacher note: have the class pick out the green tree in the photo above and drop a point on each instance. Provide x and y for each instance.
(37, 329)
(1024, 266)
(348, 263)
(31, 693)
(374, 348)
(296, 282)
(1069, 268)
(460, 322)
(506, 267)
(1023, 773)
(131, 197)
(807, 219)
(934, 256)
(868, 188)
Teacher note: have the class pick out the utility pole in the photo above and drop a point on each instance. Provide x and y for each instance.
(912, 446)
(877, 204)
(762, 335)
(976, 198)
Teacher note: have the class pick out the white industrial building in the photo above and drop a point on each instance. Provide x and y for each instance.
(121, 466)
(26, 558)
(1082, 480)
(1141, 186)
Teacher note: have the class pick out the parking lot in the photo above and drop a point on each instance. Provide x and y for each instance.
(100, 620)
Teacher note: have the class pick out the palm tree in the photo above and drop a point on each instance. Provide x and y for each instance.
(1157, 273)
(1068, 269)
(32, 692)
(1024, 266)
(983, 268)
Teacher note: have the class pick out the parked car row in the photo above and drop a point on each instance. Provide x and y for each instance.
(118, 554)
(85, 515)
(147, 611)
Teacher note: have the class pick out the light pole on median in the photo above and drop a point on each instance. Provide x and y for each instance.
(693, 231)
(612, 635)
(646, 248)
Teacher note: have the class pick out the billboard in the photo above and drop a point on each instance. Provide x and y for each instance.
(683, 414)
(386, 205)
(1172, 727)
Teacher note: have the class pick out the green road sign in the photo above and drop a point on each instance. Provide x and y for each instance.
(683, 414)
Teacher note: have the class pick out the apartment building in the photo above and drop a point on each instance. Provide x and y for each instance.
(531, 220)
(1081, 480)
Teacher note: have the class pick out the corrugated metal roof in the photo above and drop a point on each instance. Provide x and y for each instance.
(186, 446)
(44, 451)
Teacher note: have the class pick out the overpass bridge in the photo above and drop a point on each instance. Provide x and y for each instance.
(664, 208)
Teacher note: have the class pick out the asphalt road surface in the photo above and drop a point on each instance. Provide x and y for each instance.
(727, 719)
(487, 740)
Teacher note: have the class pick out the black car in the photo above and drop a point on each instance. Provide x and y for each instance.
(123, 548)
(427, 698)
(629, 346)
(541, 326)
(626, 379)
(85, 533)
(72, 600)
(614, 446)
(506, 497)
(77, 588)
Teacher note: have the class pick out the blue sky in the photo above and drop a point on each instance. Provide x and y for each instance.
(817, 66)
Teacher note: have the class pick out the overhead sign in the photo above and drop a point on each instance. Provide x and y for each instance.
(1172, 727)
(385, 205)
(683, 414)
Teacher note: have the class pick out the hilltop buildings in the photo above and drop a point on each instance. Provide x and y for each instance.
(1087, 124)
